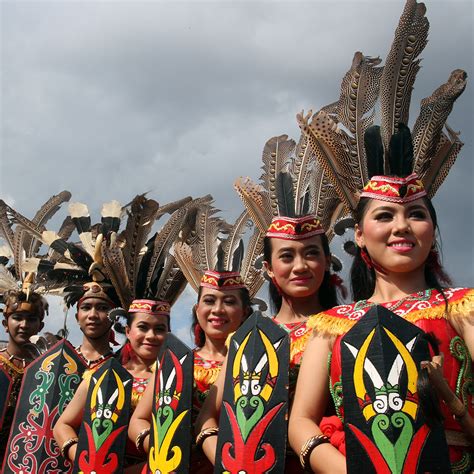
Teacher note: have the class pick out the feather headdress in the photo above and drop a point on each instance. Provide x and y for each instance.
(141, 267)
(216, 258)
(351, 150)
(17, 283)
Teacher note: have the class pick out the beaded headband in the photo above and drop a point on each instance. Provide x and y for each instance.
(222, 280)
(394, 189)
(152, 307)
(294, 228)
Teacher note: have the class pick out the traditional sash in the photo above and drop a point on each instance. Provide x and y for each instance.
(103, 434)
(253, 427)
(170, 441)
(385, 427)
(48, 386)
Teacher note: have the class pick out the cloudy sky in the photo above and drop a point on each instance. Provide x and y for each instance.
(111, 99)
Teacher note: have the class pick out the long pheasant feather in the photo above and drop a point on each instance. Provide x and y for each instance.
(401, 68)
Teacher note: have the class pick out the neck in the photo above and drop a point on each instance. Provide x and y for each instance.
(138, 366)
(15, 349)
(94, 348)
(297, 309)
(214, 349)
(395, 286)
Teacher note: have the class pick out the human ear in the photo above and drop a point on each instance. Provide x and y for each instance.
(358, 236)
(5, 325)
(127, 331)
(268, 269)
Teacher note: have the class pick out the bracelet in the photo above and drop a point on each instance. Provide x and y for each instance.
(459, 415)
(308, 447)
(140, 439)
(66, 445)
(205, 433)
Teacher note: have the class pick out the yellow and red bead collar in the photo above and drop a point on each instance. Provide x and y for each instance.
(152, 307)
(294, 228)
(394, 189)
(222, 280)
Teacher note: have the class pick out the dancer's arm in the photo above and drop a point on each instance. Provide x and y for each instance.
(311, 398)
(141, 418)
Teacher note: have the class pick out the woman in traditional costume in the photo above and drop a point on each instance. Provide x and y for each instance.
(296, 257)
(212, 268)
(396, 267)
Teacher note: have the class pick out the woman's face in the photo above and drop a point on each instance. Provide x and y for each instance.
(219, 312)
(21, 326)
(298, 266)
(92, 316)
(146, 334)
(397, 236)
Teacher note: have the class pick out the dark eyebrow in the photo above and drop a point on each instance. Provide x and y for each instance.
(416, 207)
(383, 208)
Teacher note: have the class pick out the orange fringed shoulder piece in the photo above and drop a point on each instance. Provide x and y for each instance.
(206, 375)
(328, 324)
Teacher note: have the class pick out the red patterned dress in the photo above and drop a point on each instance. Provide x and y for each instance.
(427, 310)
(300, 334)
(205, 374)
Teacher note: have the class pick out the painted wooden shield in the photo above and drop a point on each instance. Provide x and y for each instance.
(253, 426)
(384, 424)
(171, 440)
(48, 386)
(6, 383)
(103, 433)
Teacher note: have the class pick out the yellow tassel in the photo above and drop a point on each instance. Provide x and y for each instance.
(206, 375)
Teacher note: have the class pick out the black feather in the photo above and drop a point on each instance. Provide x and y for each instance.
(286, 199)
(110, 224)
(79, 256)
(400, 155)
(374, 151)
(237, 257)
(306, 202)
(220, 259)
(140, 285)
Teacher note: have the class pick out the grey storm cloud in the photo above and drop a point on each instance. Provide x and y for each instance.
(111, 99)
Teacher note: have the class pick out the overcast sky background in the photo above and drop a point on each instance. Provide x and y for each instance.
(111, 99)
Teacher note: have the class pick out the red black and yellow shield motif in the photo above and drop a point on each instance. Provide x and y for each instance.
(170, 441)
(253, 427)
(384, 424)
(48, 386)
(103, 433)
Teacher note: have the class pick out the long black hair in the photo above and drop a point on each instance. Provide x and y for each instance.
(200, 336)
(327, 291)
(363, 277)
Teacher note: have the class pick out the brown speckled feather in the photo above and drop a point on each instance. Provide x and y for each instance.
(432, 118)
(141, 217)
(401, 67)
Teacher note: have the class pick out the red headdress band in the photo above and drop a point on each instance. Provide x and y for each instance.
(294, 228)
(150, 307)
(222, 280)
(394, 189)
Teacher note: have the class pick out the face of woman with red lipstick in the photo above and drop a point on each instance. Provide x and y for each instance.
(219, 312)
(298, 266)
(397, 236)
(146, 334)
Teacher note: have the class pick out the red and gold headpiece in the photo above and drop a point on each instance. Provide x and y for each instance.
(94, 289)
(152, 307)
(394, 189)
(294, 228)
(222, 280)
